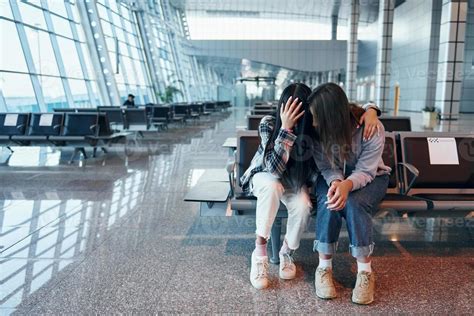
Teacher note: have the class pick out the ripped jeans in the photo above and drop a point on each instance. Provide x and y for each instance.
(357, 213)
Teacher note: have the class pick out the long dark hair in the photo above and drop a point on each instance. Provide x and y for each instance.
(300, 163)
(334, 121)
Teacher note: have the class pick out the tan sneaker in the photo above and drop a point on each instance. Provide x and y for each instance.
(258, 272)
(324, 284)
(287, 267)
(363, 292)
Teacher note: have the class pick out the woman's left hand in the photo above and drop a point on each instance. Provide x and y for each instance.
(338, 194)
(371, 122)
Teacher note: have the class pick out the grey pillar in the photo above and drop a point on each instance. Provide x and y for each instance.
(434, 54)
(451, 57)
(334, 21)
(151, 51)
(352, 50)
(384, 53)
(95, 39)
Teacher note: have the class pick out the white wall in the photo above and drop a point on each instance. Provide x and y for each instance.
(309, 56)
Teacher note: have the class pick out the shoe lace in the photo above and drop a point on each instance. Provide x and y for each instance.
(262, 267)
(287, 261)
(325, 275)
(364, 280)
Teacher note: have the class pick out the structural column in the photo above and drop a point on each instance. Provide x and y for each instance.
(334, 22)
(98, 51)
(352, 50)
(451, 57)
(384, 53)
(151, 51)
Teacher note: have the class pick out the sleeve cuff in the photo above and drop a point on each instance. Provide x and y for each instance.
(355, 182)
(334, 177)
(372, 106)
(286, 137)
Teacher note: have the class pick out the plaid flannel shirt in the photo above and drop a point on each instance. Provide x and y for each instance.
(277, 156)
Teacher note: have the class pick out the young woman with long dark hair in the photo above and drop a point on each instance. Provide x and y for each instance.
(354, 181)
(281, 170)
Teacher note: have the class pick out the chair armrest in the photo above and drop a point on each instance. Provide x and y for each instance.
(414, 171)
(19, 127)
(93, 128)
(230, 167)
(58, 126)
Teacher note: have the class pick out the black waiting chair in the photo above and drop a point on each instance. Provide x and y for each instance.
(12, 124)
(199, 108)
(136, 120)
(115, 116)
(79, 130)
(210, 106)
(447, 187)
(182, 111)
(396, 123)
(40, 128)
(78, 127)
(161, 116)
(253, 121)
(269, 111)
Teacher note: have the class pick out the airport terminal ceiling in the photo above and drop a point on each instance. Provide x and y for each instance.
(311, 10)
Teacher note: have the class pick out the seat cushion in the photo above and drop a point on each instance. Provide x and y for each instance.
(67, 138)
(29, 138)
(401, 202)
(447, 197)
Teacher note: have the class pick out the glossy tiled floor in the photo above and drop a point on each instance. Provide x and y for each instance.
(113, 235)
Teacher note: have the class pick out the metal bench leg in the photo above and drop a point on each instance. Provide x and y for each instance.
(104, 150)
(76, 151)
(83, 151)
(94, 152)
(10, 149)
(275, 240)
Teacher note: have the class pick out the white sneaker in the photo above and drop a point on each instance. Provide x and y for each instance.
(324, 284)
(258, 271)
(287, 267)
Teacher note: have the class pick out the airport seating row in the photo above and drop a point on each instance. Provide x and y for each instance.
(95, 127)
(78, 130)
(431, 172)
(143, 118)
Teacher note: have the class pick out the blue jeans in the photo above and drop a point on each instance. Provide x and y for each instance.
(357, 213)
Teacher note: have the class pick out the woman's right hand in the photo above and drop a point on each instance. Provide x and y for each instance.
(290, 113)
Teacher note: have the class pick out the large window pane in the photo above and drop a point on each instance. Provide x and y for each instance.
(57, 7)
(70, 58)
(53, 92)
(61, 26)
(42, 52)
(32, 15)
(79, 93)
(95, 93)
(5, 10)
(11, 55)
(18, 92)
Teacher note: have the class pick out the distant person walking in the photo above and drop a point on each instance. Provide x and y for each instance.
(130, 102)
